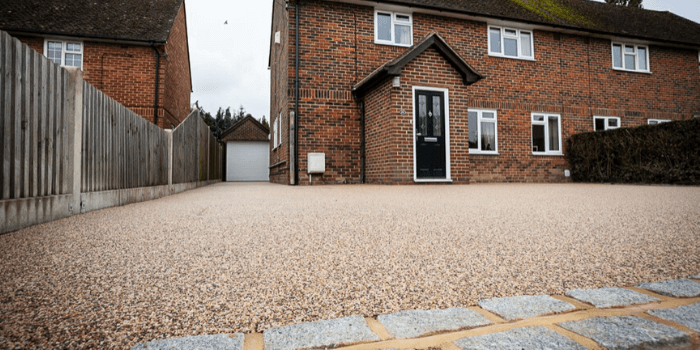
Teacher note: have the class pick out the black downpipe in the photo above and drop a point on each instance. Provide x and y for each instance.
(362, 141)
(155, 102)
(297, 9)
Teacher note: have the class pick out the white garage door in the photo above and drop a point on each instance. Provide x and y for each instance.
(247, 161)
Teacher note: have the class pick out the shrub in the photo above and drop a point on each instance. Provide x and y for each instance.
(667, 153)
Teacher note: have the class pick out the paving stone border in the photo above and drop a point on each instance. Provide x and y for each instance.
(696, 277)
(628, 332)
(329, 333)
(525, 306)
(610, 297)
(411, 324)
(202, 342)
(519, 338)
(688, 315)
(683, 288)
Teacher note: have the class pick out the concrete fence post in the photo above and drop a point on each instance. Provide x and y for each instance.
(170, 160)
(74, 127)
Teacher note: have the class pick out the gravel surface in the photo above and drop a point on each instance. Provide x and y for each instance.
(246, 257)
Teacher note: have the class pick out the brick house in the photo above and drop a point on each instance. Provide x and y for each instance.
(135, 51)
(411, 91)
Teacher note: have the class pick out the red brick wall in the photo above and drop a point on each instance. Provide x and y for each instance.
(127, 73)
(281, 103)
(572, 76)
(178, 82)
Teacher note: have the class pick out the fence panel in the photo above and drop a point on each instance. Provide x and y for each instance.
(121, 150)
(32, 103)
(196, 153)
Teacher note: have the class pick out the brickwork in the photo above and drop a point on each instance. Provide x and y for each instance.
(178, 82)
(571, 76)
(281, 102)
(127, 73)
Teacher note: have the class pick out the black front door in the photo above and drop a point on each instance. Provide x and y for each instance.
(430, 135)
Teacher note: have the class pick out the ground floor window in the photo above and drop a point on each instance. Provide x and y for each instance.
(546, 134)
(657, 121)
(483, 131)
(605, 123)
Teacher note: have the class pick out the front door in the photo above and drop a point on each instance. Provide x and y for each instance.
(431, 163)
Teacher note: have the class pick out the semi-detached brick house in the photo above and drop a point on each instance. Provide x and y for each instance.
(135, 51)
(413, 91)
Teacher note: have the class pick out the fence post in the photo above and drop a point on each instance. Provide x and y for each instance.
(169, 134)
(74, 128)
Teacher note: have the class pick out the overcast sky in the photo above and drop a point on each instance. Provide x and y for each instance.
(229, 61)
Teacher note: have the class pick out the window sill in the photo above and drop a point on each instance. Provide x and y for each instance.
(558, 154)
(481, 153)
(388, 43)
(632, 71)
(513, 57)
(432, 180)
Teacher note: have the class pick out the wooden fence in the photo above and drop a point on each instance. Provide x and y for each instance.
(196, 153)
(67, 148)
(33, 123)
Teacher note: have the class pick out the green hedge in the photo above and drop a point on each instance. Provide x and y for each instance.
(667, 153)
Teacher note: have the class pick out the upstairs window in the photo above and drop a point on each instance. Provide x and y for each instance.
(511, 43)
(605, 123)
(64, 53)
(392, 28)
(633, 58)
(546, 134)
(483, 133)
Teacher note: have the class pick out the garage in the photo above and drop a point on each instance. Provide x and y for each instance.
(247, 151)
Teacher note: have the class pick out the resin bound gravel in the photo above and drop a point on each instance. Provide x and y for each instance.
(247, 257)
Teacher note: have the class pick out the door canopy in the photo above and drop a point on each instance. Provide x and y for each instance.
(394, 67)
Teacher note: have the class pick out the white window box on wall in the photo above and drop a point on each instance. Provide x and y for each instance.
(546, 134)
(605, 123)
(483, 131)
(511, 43)
(630, 57)
(392, 28)
(64, 53)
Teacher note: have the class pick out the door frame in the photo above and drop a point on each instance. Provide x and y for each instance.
(448, 164)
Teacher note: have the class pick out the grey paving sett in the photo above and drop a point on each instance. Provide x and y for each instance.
(688, 315)
(683, 288)
(327, 333)
(529, 338)
(203, 342)
(627, 332)
(697, 277)
(525, 306)
(610, 297)
(410, 324)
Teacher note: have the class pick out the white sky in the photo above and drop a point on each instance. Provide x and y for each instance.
(229, 62)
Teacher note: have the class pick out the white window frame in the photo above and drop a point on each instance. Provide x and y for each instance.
(478, 122)
(520, 55)
(392, 42)
(275, 133)
(64, 51)
(448, 161)
(545, 122)
(658, 121)
(607, 124)
(279, 130)
(636, 57)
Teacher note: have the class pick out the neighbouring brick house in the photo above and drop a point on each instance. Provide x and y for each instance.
(135, 51)
(411, 91)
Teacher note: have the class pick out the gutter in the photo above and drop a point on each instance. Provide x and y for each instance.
(297, 9)
(362, 141)
(148, 42)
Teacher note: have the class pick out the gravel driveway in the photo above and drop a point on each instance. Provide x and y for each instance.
(246, 257)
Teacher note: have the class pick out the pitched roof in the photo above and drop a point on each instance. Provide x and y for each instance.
(130, 20)
(586, 15)
(237, 125)
(395, 66)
